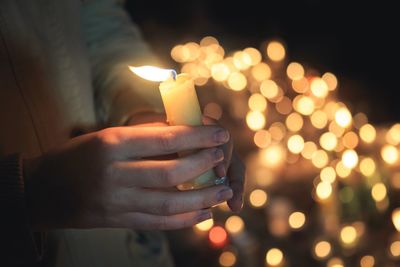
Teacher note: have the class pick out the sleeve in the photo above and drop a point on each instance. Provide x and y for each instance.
(114, 42)
(17, 241)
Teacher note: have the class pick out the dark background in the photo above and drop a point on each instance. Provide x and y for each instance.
(356, 41)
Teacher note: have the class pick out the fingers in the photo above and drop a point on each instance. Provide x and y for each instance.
(139, 142)
(138, 220)
(166, 173)
(169, 202)
(236, 176)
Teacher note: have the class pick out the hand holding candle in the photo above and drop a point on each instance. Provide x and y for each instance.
(182, 108)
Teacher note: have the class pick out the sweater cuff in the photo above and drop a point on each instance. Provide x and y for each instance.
(17, 240)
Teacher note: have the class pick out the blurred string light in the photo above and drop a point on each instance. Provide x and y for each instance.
(296, 120)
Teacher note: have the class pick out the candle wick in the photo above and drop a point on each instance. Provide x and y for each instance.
(173, 74)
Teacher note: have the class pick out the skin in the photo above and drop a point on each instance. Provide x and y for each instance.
(120, 177)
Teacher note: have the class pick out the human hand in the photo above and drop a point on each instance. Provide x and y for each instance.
(231, 166)
(105, 179)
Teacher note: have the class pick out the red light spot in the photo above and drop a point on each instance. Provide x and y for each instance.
(217, 236)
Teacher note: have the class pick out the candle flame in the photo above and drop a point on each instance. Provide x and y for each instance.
(153, 73)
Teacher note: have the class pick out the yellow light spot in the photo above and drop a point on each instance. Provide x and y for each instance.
(336, 129)
(257, 102)
(272, 156)
(393, 135)
(276, 51)
(234, 224)
(328, 174)
(319, 88)
(396, 219)
(255, 120)
(227, 259)
(284, 106)
(258, 198)
(297, 220)
(277, 131)
(341, 170)
(320, 159)
(328, 141)
(213, 110)
(350, 158)
(390, 154)
(295, 144)
(395, 248)
(367, 261)
(350, 140)
(294, 122)
(204, 225)
(262, 138)
(208, 40)
(261, 72)
(309, 149)
(323, 190)
(322, 249)
(274, 257)
(237, 81)
(343, 117)
(269, 89)
(254, 55)
(304, 105)
(348, 235)
(241, 60)
(367, 133)
(367, 166)
(335, 262)
(180, 53)
(319, 119)
(295, 71)
(300, 86)
(330, 80)
(220, 72)
(379, 192)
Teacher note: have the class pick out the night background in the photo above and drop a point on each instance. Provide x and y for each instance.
(357, 42)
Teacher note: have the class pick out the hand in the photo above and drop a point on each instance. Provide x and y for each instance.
(102, 179)
(231, 166)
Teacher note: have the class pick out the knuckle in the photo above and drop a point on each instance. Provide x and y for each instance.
(107, 138)
(170, 206)
(168, 142)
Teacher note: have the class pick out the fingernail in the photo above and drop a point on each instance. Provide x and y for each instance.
(204, 215)
(218, 155)
(222, 136)
(224, 194)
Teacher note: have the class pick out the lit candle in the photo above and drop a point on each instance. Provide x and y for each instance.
(182, 108)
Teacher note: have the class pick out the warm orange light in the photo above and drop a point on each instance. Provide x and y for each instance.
(154, 74)
(328, 174)
(295, 71)
(348, 235)
(320, 158)
(262, 138)
(350, 140)
(227, 259)
(220, 72)
(390, 154)
(350, 158)
(379, 192)
(269, 89)
(393, 135)
(304, 105)
(343, 117)
(319, 88)
(297, 220)
(294, 122)
(276, 51)
(323, 190)
(213, 110)
(254, 55)
(237, 81)
(274, 257)
(234, 225)
(295, 144)
(395, 248)
(322, 249)
(309, 149)
(367, 166)
(284, 106)
(261, 72)
(300, 86)
(331, 80)
(319, 119)
(217, 236)
(272, 156)
(396, 219)
(204, 225)
(341, 170)
(328, 141)
(257, 102)
(367, 133)
(255, 120)
(258, 198)
(367, 261)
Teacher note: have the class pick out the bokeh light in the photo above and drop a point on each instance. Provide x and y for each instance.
(274, 257)
(258, 198)
(276, 51)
